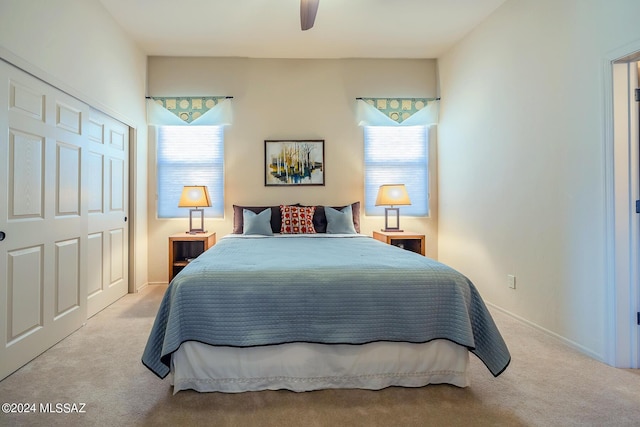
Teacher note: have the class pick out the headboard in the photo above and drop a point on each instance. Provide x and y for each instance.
(319, 217)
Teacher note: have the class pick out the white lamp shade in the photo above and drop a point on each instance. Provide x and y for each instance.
(392, 195)
(194, 196)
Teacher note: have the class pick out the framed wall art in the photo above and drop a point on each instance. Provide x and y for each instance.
(294, 162)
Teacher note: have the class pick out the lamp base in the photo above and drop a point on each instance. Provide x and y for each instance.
(196, 230)
(391, 230)
(395, 219)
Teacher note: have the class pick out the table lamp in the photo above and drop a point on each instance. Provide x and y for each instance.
(195, 197)
(392, 195)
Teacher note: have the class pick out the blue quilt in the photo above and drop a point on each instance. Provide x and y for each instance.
(333, 290)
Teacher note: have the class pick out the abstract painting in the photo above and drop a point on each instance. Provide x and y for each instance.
(294, 162)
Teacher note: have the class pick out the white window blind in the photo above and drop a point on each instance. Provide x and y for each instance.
(189, 155)
(397, 155)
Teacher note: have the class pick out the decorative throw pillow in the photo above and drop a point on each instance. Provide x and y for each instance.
(320, 219)
(257, 223)
(339, 221)
(297, 219)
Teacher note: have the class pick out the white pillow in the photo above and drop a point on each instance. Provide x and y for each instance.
(339, 221)
(254, 223)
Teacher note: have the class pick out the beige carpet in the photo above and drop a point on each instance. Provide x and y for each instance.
(547, 384)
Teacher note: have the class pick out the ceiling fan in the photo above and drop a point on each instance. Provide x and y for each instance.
(308, 10)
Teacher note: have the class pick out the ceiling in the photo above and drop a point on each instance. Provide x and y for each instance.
(271, 28)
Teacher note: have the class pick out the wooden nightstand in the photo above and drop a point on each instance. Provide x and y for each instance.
(184, 247)
(413, 242)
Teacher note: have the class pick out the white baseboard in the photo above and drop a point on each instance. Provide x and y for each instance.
(564, 340)
(158, 283)
(141, 287)
(150, 284)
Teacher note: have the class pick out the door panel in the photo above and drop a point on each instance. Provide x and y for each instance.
(26, 100)
(95, 282)
(117, 256)
(95, 185)
(117, 186)
(26, 175)
(25, 292)
(68, 180)
(55, 262)
(68, 118)
(67, 276)
(45, 222)
(108, 147)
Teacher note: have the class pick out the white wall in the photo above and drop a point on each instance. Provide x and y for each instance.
(522, 166)
(296, 99)
(76, 46)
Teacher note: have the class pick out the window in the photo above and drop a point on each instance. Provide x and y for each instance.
(190, 155)
(397, 155)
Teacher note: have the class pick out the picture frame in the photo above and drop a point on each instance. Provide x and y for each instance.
(297, 162)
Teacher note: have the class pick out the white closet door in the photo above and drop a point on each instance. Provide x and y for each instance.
(107, 193)
(47, 251)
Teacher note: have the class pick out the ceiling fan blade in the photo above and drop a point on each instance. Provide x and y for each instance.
(308, 10)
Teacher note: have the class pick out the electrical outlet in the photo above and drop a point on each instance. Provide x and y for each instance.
(511, 280)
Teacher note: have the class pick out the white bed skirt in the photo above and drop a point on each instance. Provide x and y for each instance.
(305, 367)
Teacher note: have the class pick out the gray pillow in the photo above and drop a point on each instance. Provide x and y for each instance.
(257, 223)
(339, 221)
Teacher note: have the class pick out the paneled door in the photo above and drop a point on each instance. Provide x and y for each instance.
(107, 194)
(47, 232)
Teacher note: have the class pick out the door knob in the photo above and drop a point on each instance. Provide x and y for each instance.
(2, 235)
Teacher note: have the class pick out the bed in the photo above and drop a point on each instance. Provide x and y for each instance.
(324, 308)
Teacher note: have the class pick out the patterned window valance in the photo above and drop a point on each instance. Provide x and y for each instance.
(189, 111)
(398, 109)
(189, 108)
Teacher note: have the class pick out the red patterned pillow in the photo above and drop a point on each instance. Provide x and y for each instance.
(297, 219)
